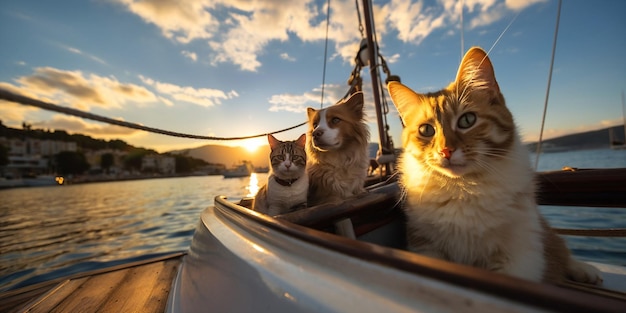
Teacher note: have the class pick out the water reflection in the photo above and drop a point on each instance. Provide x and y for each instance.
(47, 230)
(253, 186)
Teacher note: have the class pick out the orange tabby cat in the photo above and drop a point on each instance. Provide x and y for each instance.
(470, 193)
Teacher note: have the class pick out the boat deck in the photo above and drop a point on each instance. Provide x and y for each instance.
(137, 287)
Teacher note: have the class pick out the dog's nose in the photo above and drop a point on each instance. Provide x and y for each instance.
(318, 133)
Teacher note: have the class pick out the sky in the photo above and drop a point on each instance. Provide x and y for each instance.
(230, 68)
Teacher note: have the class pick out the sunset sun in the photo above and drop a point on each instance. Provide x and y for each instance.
(251, 145)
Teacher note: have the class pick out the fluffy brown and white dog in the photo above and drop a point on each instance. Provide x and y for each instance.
(336, 149)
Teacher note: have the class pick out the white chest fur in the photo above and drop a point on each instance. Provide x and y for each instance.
(282, 198)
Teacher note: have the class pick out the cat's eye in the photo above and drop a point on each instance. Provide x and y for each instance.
(467, 120)
(335, 120)
(426, 130)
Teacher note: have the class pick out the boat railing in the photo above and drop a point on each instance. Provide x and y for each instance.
(584, 188)
(384, 200)
(568, 187)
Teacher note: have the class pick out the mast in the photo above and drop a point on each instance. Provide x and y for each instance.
(373, 65)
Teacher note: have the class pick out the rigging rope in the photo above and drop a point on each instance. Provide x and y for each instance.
(462, 31)
(545, 105)
(12, 97)
(325, 53)
(358, 14)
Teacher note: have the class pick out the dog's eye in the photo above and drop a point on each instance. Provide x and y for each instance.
(315, 125)
(335, 120)
(426, 130)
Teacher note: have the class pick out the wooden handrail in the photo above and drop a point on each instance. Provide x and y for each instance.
(583, 187)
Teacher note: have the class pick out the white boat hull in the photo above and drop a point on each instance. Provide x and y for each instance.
(241, 261)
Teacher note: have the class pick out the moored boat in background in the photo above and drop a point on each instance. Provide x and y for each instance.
(242, 170)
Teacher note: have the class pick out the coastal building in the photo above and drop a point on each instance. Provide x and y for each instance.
(159, 164)
(32, 157)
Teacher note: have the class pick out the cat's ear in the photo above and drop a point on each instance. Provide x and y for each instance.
(405, 99)
(355, 103)
(273, 141)
(301, 141)
(476, 72)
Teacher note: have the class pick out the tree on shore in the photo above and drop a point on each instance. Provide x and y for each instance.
(71, 162)
(106, 161)
(4, 155)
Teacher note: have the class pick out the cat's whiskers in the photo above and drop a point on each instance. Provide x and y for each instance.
(493, 153)
(489, 167)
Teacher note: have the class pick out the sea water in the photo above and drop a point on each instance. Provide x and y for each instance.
(51, 232)
(599, 249)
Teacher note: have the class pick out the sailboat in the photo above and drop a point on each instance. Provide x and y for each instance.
(244, 169)
(243, 261)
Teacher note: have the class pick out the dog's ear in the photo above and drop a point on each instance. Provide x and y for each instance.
(355, 103)
(310, 112)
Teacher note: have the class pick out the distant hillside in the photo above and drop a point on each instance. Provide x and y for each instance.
(588, 140)
(230, 155)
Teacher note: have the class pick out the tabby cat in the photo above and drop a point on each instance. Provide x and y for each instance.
(467, 181)
(287, 183)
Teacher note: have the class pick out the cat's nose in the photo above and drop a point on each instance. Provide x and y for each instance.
(446, 152)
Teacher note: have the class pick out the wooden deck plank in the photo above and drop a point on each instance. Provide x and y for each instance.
(49, 300)
(144, 289)
(98, 289)
(91, 294)
(11, 300)
(157, 300)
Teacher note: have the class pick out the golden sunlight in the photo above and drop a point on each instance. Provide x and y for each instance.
(253, 186)
(253, 144)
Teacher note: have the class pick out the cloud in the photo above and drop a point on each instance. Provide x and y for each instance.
(286, 56)
(238, 31)
(393, 58)
(191, 55)
(182, 21)
(298, 103)
(15, 114)
(205, 97)
(80, 126)
(292, 103)
(12, 112)
(86, 91)
(521, 4)
(79, 52)
(82, 91)
(414, 21)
